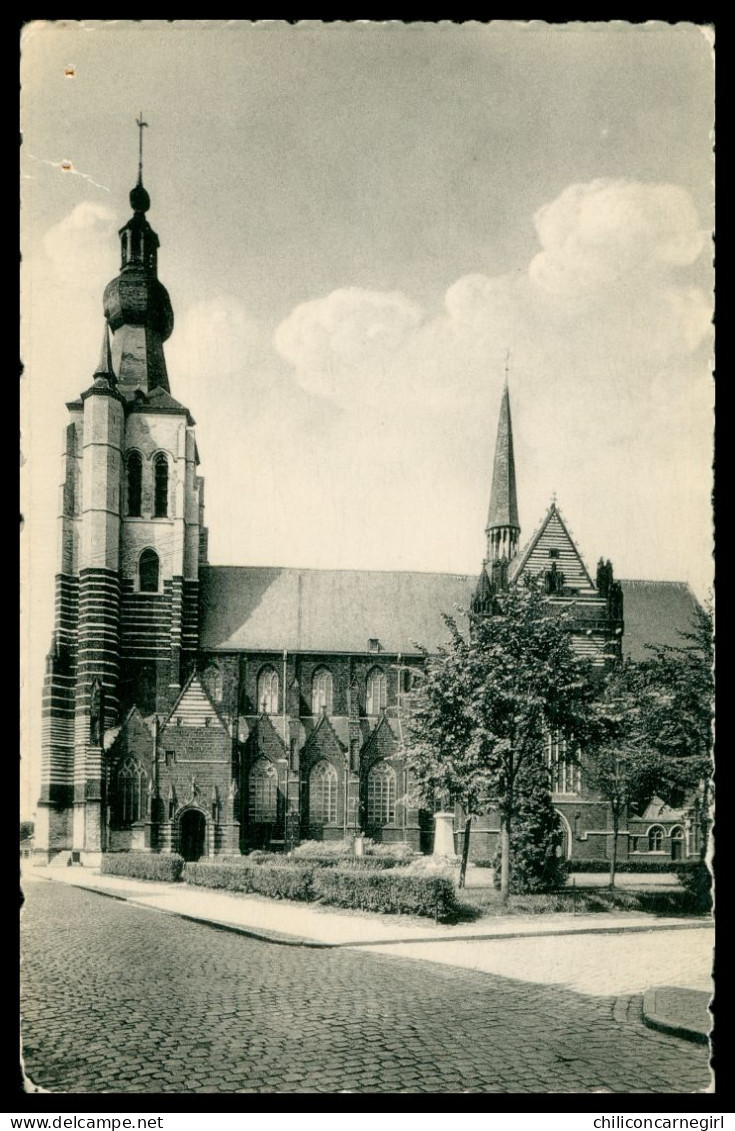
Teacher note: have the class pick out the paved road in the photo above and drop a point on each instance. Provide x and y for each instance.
(119, 999)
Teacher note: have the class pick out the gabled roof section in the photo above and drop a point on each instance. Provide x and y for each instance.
(264, 736)
(324, 735)
(382, 741)
(157, 400)
(503, 509)
(660, 810)
(323, 611)
(195, 705)
(552, 542)
(133, 716)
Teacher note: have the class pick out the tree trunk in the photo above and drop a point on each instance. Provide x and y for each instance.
(465, 852)
(614, 857)
(504, 857)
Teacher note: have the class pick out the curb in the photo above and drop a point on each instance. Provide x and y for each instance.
(668, 1025)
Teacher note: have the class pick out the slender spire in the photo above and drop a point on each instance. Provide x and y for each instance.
(503, 528)
(104, 365)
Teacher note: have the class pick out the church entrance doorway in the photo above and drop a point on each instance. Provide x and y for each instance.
(192, 833)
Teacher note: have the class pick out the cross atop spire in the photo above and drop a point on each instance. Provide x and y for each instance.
(139, 198)
(503, 528)
(141, 126)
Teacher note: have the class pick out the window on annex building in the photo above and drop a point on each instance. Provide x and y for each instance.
(323, 793)
(132, 795)
(148, 570)
(377, 692)
(655, 838)
(263, 793)
(134, 483)
(268, 692)
(381, 794)
(321, 691)
(160, 476)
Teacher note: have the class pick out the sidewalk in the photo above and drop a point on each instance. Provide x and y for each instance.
(303, 924)
(679, 1012)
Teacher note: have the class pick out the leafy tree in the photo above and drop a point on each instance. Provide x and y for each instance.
(675, 691)
(26, 829)
(618, 762)
(490, 697)
(536, 834)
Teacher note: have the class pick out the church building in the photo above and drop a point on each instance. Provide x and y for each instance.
(208, 709)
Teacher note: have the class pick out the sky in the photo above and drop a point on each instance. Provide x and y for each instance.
(362, 226)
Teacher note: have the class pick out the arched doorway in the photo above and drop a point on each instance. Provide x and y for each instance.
(677, 843)
(566, 844)
(192, 834)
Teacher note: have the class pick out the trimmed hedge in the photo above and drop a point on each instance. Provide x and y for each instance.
(326, 849)
(630, 865)
(279, 881)
(166, 866)
(323, 861)
(364, 889)
(374, 863)
(389, 891)
(696, 879)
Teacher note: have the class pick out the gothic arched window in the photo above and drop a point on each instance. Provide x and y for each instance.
(132, 781)
(268, 691)
(381, 794)
(655, 838)
(323, 793)
(160, 477)
(263, 792)
(321, 691)
(148, 569)
(214, 682)
(135, 478)
(377, 692)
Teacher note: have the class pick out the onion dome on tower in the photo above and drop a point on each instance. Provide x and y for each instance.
(137, 306)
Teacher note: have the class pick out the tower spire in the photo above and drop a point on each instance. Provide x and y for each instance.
(137, 306)
(104, 365)
(503, 529)
(141, 126)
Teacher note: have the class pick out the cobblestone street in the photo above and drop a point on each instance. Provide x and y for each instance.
(118, 999)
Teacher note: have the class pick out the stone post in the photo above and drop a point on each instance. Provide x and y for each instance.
(444, 834)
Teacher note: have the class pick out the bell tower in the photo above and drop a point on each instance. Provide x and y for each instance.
(131, 542)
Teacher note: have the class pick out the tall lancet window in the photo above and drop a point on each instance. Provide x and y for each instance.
(135, 478)
(160, 475)
(377, 692)
(321, 691)
(149, 570)
(268, 692)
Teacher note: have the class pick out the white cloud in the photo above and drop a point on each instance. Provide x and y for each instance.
(330, 340)
(596, 234)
